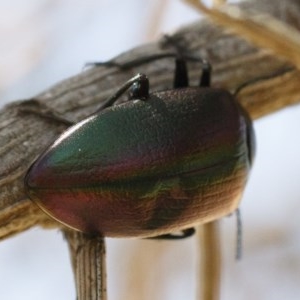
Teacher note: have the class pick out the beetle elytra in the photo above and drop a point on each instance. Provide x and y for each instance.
(159, 163)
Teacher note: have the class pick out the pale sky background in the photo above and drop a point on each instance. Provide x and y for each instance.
(45, 41)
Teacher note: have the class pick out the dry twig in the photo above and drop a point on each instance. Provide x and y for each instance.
(265, 31)
(269, 83)
(210, 262)
(89, 266)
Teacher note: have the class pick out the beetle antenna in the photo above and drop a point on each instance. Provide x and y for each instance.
(239, 246)
(140, 90)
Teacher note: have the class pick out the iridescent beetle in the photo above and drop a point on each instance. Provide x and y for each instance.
(160, 163)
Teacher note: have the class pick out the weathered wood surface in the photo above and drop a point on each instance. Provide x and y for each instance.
(89, 265)
(271, 83)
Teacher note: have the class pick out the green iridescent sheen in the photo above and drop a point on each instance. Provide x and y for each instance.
(181, 149)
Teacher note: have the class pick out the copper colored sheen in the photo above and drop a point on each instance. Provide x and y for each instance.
(146, 168)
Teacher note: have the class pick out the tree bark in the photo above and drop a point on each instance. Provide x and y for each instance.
(270, 83)
(89, 265)
(209, 281)
(262, 81)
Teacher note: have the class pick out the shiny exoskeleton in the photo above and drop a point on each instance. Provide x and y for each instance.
(159, 163)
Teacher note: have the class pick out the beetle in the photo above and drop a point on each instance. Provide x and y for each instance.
(159, 163)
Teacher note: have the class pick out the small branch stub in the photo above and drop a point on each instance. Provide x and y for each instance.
(270, 83)
(88, 261)
(210, 262)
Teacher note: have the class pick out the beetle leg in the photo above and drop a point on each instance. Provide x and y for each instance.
(181, 75)
(124, 65)
(140, 85)
(172, 236)
(35, 107)
(109, 63)
(206, 74)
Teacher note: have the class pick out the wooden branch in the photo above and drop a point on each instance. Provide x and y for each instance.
(270, 84)
(265, 84)
(210, 262)
(89, 265)
(260, 28)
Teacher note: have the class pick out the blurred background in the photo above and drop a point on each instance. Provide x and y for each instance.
(45, 41)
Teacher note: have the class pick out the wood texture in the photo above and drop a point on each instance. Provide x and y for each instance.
(271, 83)
(210, 262)
(263, 82)
(89, 265)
